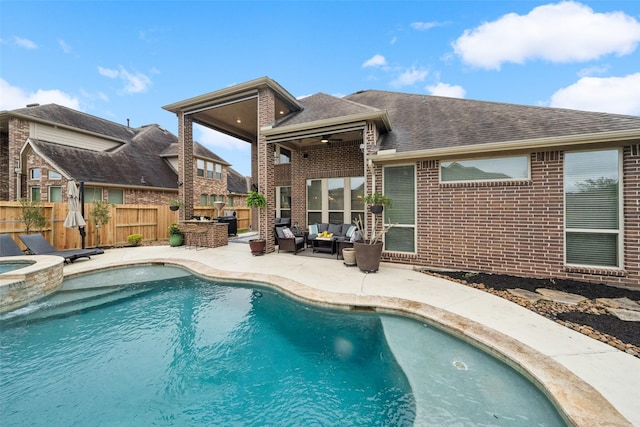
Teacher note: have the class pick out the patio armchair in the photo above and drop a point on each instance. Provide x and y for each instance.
(38, 245)
(287, 241)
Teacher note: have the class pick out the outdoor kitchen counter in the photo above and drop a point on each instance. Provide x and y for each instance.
(207, 234)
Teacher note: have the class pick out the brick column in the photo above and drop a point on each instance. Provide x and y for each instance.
(370, 139)
(266, 114)
(185, 165)
(18, 135)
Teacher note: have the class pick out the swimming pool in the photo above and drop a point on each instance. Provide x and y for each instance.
(183, 350)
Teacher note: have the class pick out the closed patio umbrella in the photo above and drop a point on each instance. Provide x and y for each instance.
(74, 217)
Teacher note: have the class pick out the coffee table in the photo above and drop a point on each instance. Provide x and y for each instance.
(324, 244)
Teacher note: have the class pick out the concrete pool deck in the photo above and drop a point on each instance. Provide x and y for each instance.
(594, 383)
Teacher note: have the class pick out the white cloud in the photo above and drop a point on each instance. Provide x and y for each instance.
(14, 97)
(375, 61)
(562, 32)
(25, 43)
(133, 83)
(409, 77)
(213, 140)
(593, 71)
(445, 89)
(66, 48)
(619, 95)
(424, 26)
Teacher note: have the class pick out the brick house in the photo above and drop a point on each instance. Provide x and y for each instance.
(476, 186)
(42, 147)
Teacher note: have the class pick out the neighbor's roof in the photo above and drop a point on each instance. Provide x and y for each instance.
(423, 122)
(135, 164)
(66, 117)
(236, 183)
(198, 150)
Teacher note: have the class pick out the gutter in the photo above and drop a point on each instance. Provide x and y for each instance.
(327, 125)
(554, 142)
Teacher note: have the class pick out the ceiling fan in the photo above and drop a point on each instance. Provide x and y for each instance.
(326, 139)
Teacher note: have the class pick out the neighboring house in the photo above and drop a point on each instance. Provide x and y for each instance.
(42, 147)
(476, 186)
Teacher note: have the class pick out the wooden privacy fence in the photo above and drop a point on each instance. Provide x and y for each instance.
(151, 221)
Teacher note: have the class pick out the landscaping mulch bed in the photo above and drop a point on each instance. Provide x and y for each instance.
(588, 317)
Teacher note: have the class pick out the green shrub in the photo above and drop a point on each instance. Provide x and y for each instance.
(134, 239)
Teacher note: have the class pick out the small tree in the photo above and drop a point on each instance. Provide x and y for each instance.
(101, 215)
(32, 215)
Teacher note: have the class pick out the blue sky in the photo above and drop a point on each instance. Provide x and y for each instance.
(122, 60)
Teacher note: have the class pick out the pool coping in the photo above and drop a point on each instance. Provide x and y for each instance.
(576, 399)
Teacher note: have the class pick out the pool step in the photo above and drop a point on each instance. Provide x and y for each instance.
(69, 302)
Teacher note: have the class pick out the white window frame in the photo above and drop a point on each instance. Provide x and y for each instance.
(279, 207)
(210, 168)
(200, 171)
(49, 193)
(415, 210)
(325, 198)
(493, 159)
(35, 173)
(110, 190)
(53, 175)
(277, 155)
(218, 171)
(620, 231)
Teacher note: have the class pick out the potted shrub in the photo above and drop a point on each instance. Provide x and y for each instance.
(175, 204)
(369, 250)
(377, 202)
(175, 235)
(257, 200)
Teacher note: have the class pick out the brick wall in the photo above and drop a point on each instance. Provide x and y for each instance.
(5, 176)
(513, 228)
(340, 159)
(18, 135)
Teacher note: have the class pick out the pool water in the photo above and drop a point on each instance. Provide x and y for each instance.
(5, 267)
(187, 351)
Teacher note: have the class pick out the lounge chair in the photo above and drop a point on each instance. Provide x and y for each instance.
(8, 247)
(37, 244)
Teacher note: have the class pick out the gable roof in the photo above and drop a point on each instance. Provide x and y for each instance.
(323, 107)
(138, 162)
(78, 121)
(236, 183)
(135, 164)
(424, 122)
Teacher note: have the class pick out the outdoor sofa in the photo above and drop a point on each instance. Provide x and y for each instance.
(341, 232)
(38, 245)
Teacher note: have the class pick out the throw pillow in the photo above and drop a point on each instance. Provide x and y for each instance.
(335, 229)
(313, 229)
(288, 234)
(350, 231)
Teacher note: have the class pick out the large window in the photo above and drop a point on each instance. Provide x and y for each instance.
(592, 208)
(91, 194)
(34, 173)
(209, 170)
(281, 155)
(115, 196)
(55, 194)
(200, 167)
(218, 171)
(497, 169)
(35, 194)
(283, 202)
(204, 199)
(400, 187)
(334, 200)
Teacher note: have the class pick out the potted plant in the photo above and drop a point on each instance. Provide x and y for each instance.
(369, 250)
(377, 202)
(175, 204)
(175, 235)
(257, 200)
